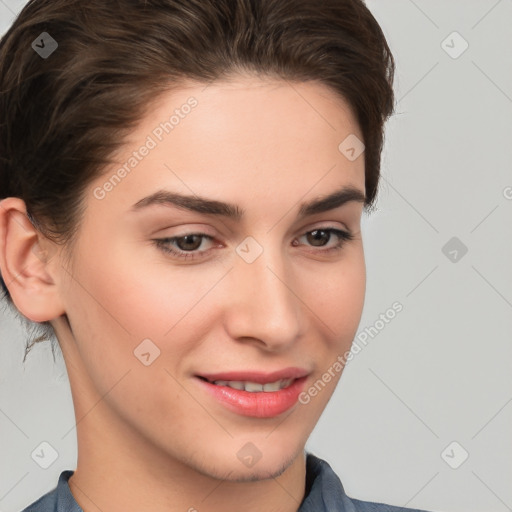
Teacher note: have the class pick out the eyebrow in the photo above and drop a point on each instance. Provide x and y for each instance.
(234, 212)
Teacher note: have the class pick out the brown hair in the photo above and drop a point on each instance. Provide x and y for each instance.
(62, 117)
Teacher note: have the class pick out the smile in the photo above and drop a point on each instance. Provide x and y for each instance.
(257, 400)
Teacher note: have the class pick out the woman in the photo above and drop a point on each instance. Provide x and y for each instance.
(183, 183)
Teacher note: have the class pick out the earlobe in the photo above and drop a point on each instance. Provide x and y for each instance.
(25, 256)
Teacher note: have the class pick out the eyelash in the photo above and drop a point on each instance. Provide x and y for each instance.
(162, 243)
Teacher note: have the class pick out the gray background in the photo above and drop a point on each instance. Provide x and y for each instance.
(440, 371)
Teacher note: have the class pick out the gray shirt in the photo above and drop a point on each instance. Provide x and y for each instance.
(324, 493)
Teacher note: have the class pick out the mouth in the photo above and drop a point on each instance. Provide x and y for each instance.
(255, 394)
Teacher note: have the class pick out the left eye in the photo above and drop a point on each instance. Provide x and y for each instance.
(188, 244)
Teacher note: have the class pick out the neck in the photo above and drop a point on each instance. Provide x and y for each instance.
(117, 472)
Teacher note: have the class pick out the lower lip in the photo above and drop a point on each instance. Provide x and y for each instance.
(261, 404)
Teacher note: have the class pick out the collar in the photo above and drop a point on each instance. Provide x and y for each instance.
(323, 493)
(324, 490)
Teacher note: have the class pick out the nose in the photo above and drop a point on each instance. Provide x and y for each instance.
(264, 307)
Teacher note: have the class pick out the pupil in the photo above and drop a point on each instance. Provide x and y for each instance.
(188, 237)
(316, 238)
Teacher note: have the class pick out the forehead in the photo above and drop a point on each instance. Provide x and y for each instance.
(242, 138)
(247, 105)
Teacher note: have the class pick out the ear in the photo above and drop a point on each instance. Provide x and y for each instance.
(25, 256)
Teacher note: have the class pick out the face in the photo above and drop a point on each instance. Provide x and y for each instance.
(264, 291)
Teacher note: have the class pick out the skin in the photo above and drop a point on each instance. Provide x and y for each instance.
(149, 438)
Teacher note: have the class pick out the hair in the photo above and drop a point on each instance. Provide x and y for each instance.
(63, 117)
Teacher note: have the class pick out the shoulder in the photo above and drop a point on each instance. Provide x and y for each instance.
(370, 506)
(325, 492)
(46, 503)
(58, 499)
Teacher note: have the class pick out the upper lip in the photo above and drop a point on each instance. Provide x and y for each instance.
(257, 376)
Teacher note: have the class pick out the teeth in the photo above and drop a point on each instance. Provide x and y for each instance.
(236, 384)
(254, 387)
(276, 386)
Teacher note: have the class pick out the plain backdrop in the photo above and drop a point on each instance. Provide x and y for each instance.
(422, 415)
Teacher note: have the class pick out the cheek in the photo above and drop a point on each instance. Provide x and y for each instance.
(115, 308)
(337, 294)
(118, 303)
(142, 296)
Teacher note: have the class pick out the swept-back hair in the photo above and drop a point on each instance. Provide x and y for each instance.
(62, 117)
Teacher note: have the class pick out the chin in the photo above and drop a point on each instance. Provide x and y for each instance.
(272, 464)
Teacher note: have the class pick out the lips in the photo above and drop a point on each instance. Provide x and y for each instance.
(242, 393)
